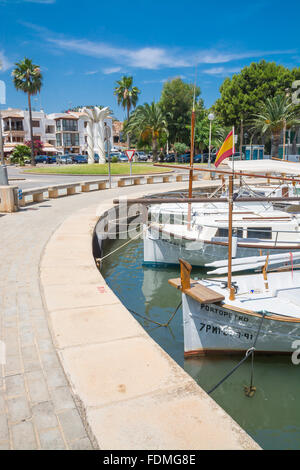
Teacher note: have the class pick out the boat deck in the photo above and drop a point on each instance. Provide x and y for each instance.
(282, 296)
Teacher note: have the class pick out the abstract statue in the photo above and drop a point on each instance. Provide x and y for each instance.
(95, 132)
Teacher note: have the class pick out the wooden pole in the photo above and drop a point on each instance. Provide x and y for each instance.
(230, 202)
(189, 215)
(225, 172)
(284, 132)
(175, 200)
(185, 274)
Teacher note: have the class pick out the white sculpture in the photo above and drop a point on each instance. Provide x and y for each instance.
(95, 132)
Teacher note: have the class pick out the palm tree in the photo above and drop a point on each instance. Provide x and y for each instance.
(127, 96)
(275, 115)
(218, 134)
(27, 77)
(149, 123)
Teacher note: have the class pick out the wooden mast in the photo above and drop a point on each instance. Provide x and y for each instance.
(230, 210)
(230, 202)
(189, 215)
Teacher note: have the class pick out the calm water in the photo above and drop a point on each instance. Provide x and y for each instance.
(272, 416)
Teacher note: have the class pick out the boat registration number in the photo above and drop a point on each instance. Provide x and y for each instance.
(224, 330)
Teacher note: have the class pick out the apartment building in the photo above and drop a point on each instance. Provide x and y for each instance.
(60, 133)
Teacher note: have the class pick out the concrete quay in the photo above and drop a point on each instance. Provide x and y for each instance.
(80, 371)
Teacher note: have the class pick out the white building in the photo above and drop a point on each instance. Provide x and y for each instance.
(60, 133)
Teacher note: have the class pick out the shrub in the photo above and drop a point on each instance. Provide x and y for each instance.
(20, 154)
(114, 159)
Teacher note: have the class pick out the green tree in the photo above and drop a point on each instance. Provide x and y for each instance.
(176, 104)
(218, 133)
(27, 77)
(276, 114)
(149, 124)
(20, 154)
(179, 149)
(241, 94)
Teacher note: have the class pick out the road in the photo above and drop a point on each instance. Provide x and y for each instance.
(29, 180)
(23, 180)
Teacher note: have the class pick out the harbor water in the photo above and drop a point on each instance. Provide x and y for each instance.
(272, 416)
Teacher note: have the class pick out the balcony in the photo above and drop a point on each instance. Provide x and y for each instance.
(14, 133)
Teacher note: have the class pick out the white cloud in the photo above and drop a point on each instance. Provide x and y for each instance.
(91, 72)
(150, 58)
(153, 57)
(42, 2)
(5, 64)
(109, 70)
(221, 71)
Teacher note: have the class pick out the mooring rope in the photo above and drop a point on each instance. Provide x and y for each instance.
(155, 322)
(99, 260)
(249, 391)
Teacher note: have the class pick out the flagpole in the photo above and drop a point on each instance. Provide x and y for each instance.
(233, 149)
(189, 214)
(230, 203)
(230, 210)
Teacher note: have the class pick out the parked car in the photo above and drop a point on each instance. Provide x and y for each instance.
(64, 159)
(205, 157)
(112, 154)
(141, 156)
(198, 158)
(41, 159)
(123, 158)
(185, 158)
(51, 159)
(170, 157)
(79, 159)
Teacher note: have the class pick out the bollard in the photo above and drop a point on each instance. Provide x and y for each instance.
(3, 176)
(9, 199)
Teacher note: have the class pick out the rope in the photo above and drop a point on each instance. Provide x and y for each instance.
(123, 231)
(99, 260)
(155, 322)
(249, 391)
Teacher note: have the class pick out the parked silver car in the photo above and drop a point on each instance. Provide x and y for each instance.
(64, 160)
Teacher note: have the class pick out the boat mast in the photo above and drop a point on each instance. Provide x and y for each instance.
(189, 215)
(230, 202)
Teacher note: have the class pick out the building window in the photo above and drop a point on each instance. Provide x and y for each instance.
(35, 123)
(69, 125)
(71, 139)
(58, 140)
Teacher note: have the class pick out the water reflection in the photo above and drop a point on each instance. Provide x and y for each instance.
(272, 416)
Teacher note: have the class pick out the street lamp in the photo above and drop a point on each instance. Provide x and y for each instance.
(211, 117)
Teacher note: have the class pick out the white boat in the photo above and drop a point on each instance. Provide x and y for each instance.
(255, 232)
(177, 212)
(266, 309)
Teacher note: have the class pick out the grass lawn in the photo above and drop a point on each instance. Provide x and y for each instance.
(98, 169)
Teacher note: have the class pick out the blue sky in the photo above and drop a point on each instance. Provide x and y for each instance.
(83, 47)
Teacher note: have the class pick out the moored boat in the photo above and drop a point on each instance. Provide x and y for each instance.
(266, 307)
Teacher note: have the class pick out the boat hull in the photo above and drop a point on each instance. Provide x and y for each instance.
(211, 329)
(164, 252)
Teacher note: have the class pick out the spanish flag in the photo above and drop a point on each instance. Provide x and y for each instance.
(226, 150)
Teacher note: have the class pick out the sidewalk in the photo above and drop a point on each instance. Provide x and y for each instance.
(37, 410)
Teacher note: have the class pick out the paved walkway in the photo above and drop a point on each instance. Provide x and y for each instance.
(37, 410)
